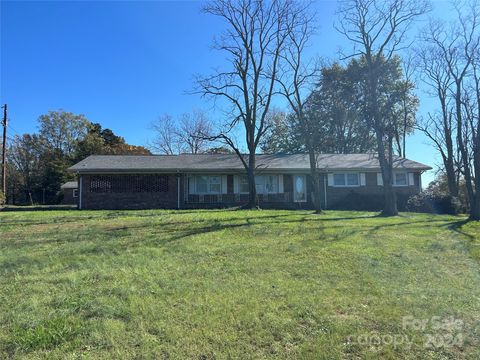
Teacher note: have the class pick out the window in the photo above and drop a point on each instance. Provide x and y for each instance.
(352, 179)
(264, 184)
(208, 184)
(271, 184)
(215, 185)
(400, 179)
(260, 184)
(347, 179)
(201, 184)
(243, 184)
(339, 179)
(75, 193)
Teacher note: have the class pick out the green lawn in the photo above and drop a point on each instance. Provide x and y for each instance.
(235, 284)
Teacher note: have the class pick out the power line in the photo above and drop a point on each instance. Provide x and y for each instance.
(12, 128)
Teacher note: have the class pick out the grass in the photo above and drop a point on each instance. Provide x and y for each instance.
(235, 284)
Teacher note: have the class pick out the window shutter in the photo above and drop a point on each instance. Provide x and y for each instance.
(224, 184)
(330, 180)
(280, 184)
(379, 179)
(411, 180)
(236, 190)
(362, 179)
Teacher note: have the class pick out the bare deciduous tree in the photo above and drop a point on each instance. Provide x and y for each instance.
(467, 96)
(165, 140)
(377, 31)
(453, 67)
(186, 135)
(254, 41)
(439, 126)
(194, 129)
(409, 106)
(296, 81)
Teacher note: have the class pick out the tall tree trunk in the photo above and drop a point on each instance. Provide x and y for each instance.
(390, 198)
(475, 205)
(451, 177)
(315, 181)
(252, 190)
(475, 211)
(464, 152)
(475, 208)
(390, 207)
(449, 162)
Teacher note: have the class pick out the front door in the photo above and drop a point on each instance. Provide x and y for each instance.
(299, 188)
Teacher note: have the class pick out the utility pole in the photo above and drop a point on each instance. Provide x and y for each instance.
(4, 152)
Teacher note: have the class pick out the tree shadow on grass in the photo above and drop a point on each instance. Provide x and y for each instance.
(428, 223)
(98, 240)
(344, 218)
(124, 236)
(115, 214)
(456, 226)
(174, 230)
(75, 218)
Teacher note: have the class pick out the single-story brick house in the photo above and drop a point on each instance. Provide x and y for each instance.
(219, 180)
(70, 193)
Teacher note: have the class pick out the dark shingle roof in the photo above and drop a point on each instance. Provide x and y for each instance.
(227, 162)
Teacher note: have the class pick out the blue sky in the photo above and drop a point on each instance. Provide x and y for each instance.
(123, 64)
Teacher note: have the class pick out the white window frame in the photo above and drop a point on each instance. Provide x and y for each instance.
(395, 179)
(75, 193)
(345, 178)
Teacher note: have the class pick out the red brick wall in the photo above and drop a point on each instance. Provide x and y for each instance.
(68, 198)
(339, 195)
(131, 200)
